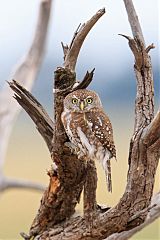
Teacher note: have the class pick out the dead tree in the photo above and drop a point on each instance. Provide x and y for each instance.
(69, 175)
(26, 73)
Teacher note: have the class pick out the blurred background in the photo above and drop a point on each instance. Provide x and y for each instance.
(114, 80)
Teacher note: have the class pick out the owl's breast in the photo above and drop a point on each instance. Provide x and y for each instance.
(80, 132)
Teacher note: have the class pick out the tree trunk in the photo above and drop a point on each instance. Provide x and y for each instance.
(70, 175)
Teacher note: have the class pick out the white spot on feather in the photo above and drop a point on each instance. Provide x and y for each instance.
(90, 124)
(100, 121)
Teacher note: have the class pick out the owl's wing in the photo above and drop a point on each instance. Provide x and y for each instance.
(102, 129)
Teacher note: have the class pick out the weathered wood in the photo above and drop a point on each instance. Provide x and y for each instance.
(133, 20)
(153, 214)
(71, 171)
(70, 175)
(71, 54)
(26, 73)
(36, 111)
(86, 81)
(67, 180)
(11, 183)
(90, 186)
(141, 172)
(152, 132)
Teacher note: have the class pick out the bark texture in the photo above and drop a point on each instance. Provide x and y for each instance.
(55, 219)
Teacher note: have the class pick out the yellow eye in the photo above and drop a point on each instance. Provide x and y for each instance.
(74, 100)
(89, 100)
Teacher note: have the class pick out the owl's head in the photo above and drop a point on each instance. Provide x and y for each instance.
(82, 101)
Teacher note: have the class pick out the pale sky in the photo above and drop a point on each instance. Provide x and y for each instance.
(103, 48)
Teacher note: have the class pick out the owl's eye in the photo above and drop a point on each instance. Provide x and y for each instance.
(74, 100)
(89, 100)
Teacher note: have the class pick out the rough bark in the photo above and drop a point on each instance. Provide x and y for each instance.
(90, 204)
(26, 73)
(70, 175)
(153, 214)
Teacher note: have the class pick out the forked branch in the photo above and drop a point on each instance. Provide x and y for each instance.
(133, 20)
(144, 108)
(86, 81)
(71, 52)
(54, 219)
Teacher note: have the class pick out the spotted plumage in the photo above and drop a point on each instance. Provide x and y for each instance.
(89, 128)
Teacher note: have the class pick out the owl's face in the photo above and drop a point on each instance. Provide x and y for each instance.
(82, 101)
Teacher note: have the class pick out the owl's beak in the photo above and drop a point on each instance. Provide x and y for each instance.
(82, 105)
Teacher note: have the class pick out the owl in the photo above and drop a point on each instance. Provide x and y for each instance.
(89, 129)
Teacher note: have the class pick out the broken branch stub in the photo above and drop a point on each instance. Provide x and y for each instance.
(86, 81)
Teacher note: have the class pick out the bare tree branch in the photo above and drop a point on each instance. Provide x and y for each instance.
(26, 73)
(133, 20)
(35, 110)
(151, 46)
(144, 109)
(64, 82)
(71, 52)
(75, 227)
(86, 81)
(54, 219)
(7, 183)
(152, 133)
(153, 214)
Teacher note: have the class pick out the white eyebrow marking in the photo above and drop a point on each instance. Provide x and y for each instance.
(89, 97)
(75, 96)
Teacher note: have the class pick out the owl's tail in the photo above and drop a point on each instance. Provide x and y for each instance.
(108, 175)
